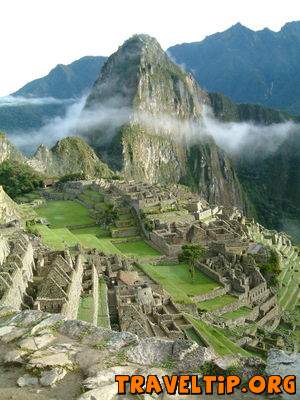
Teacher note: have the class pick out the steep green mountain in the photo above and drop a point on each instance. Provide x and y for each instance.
(249, 67)
(271, 180)
(155, 106)
(64, 82)
(71, 155)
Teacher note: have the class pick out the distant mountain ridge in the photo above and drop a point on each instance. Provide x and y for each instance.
(229, 63)
(65, 81)
(248, 66)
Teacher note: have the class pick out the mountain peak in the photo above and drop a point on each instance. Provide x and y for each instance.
(239, 28)
(142, 38)
(292, 27)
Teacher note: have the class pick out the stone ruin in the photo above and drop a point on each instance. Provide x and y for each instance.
(34, 277)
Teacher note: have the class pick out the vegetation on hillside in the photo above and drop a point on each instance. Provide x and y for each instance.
(271, 269)
(18, 178)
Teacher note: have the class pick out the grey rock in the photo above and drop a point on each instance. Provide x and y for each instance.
(14, 334)
(50, 378)
(89, 359)
(193, 360)
(119, 340)
(79, 330)
(103, 393)
(36, 342)
(49, 358)
(4, 330)
(51, 321)
(282, 363)
(107, 376)
(14, 357)
(27, 380)
(27, 318)
(151, 351)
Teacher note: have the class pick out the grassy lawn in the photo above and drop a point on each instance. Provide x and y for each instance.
(49, 237)
(218, 302)
(176, 280)
(56, 238)
(65, 213)
(240, 312)
(65, 236)
(103, 318)
(138, 248)
(85, 310)
(216, 339)
(102, 244)
(91, 230)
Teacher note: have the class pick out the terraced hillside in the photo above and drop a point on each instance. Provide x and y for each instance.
(289, 277)
(80, 222)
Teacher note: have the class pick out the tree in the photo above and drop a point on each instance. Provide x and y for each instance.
(191, 253)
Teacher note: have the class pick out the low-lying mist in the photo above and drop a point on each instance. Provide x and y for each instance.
(235, 138)
(12, 101)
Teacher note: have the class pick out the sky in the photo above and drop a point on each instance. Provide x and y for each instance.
(39, 34)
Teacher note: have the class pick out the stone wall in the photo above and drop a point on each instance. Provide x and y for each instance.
(70, 308)
(212, 294)
(272, 314)
(160, 243)
(4, 249)
(95, 294)
(16, 272)
(210, 273)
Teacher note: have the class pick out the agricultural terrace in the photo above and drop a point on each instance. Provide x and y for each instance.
(70, 222)
(65, 213)
(176, 280)
(217, 302)
(240, 312)
(136, 248)
(214, 337)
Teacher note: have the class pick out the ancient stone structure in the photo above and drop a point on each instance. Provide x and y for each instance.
(60, 290)
(16, 270)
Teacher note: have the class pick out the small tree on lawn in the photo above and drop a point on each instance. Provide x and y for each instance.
(190, 254)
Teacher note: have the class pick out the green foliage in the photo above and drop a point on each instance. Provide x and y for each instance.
(106, 216)
(149, 225)
(117, 177)
(190, 254)
(273, 264)
(18, 178)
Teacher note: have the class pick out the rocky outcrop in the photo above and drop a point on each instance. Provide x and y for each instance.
(8, 151)
(47, 349)
(9, 210)
(71, 155)
(149, 116)
(283, 364)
